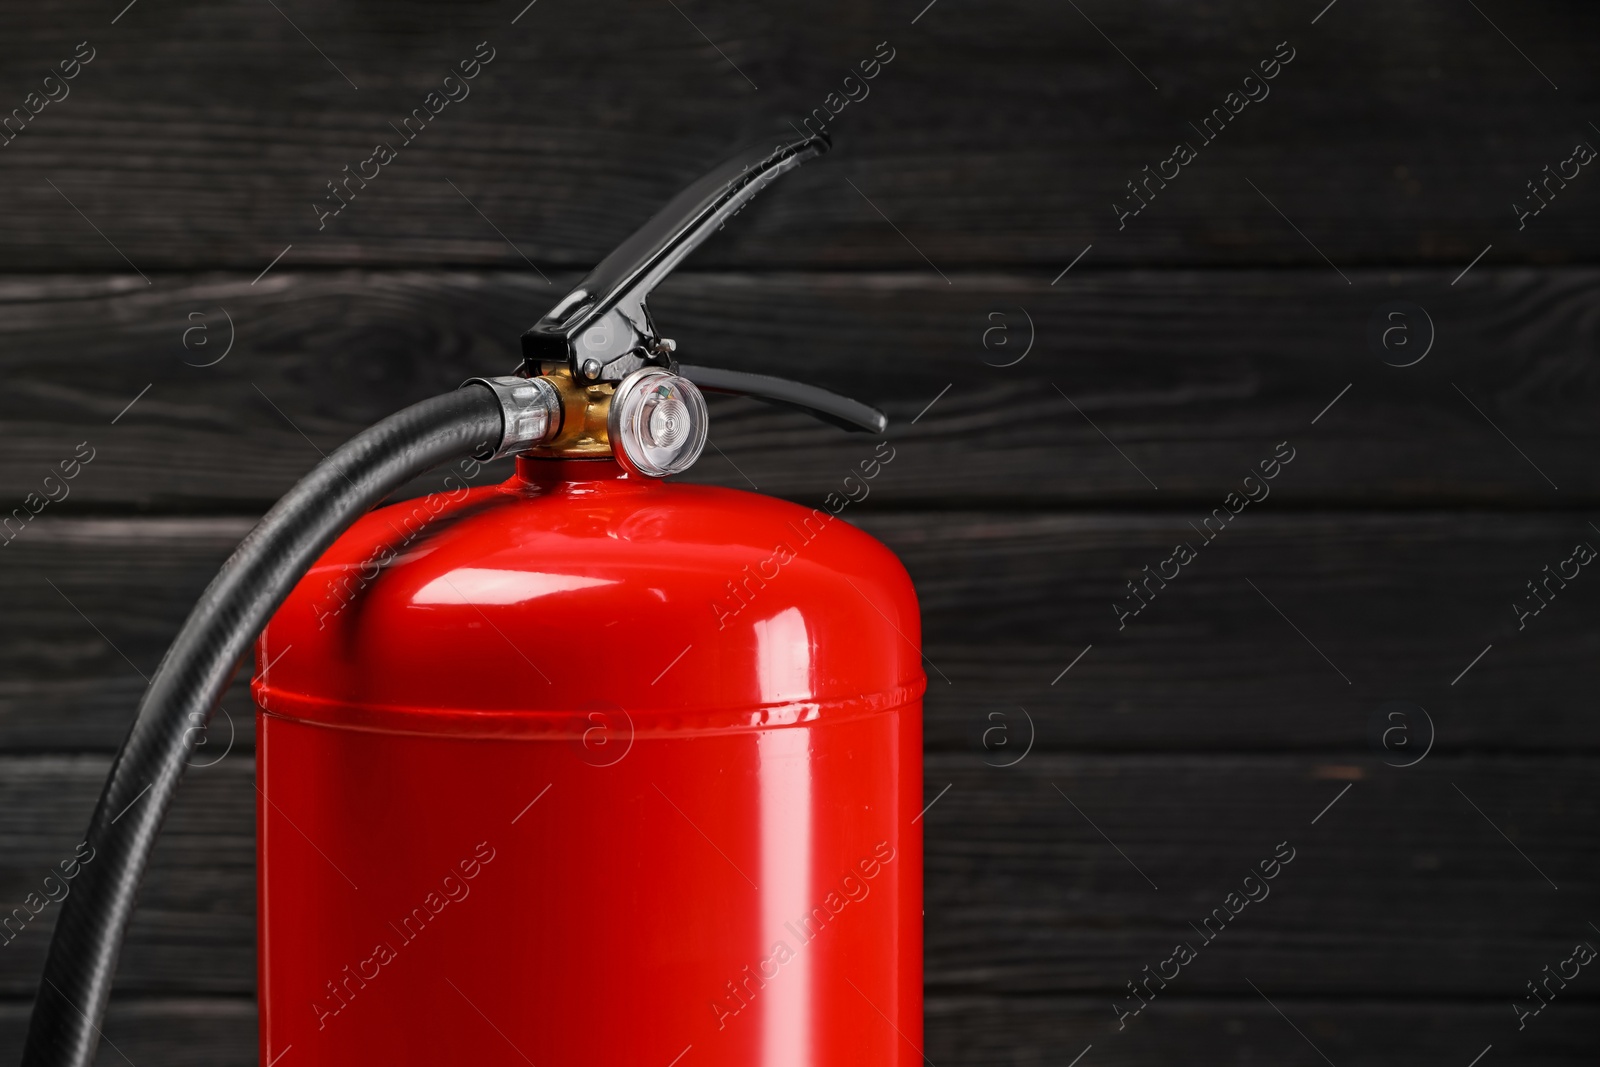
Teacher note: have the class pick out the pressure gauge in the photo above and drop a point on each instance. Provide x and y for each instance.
(657, 423)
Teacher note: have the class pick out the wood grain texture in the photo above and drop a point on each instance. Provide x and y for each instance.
(1042, 877)
(1173, 379)
(173, 1031)
(1399, 604)
(195, 926)
(1401, 888)
(1229, 314)
(1228, 1032)
(996, 1032)
(201, 136)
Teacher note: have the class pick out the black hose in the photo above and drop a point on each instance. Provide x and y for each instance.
(65, 1029)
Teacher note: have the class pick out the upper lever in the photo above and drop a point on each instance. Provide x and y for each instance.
(602, 329)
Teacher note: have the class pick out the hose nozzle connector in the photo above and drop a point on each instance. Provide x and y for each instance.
(531, 410)
(653, 422)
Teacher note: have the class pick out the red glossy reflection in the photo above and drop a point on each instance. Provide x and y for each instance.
(583, 769)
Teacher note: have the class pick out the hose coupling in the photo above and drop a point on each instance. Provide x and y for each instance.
(531, 410)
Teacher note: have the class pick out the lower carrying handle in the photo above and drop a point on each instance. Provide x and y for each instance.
(829, 407)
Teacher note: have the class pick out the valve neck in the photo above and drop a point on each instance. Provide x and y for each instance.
(545, 472)
(583, 431)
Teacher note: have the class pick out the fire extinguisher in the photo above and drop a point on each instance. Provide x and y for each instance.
(581, 768)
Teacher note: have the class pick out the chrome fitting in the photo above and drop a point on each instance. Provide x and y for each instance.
(531, 409)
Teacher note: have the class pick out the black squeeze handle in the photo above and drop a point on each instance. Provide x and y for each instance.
(626, 277)
(602, 330)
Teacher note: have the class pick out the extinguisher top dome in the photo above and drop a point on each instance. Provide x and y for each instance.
(733, 610)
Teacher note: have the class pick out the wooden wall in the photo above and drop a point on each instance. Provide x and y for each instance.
(1244, 706)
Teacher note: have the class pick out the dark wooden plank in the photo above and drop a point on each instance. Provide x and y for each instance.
(105, 597)
(1400, 875)
(1231, 1032)
(93, 712)
(202, 136)
(1400, 604)
(195, 927)
(1297, 632)
(1017, 1032)
(1032, 1032)
(1194, 376)
(174, 1032)
(1400, 889)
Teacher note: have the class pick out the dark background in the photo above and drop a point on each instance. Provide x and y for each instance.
(1250, 695)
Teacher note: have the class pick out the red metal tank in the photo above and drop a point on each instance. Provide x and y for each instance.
(590, 769)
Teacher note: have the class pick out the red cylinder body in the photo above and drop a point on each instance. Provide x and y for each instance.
(586, 769)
